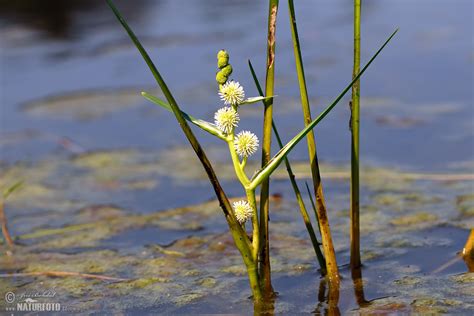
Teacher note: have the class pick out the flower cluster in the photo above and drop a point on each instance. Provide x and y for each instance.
(246, 144)
(226, 119)
(242, 210)
(232, 93)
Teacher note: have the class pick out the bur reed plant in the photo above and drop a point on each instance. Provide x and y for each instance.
(254, 245)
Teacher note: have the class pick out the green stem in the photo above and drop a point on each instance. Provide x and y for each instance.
(265, 270)
(244, 180)
(243, 164)
(254, 280)
(355, 118)
(239, 170)
(331, 264)
(313, 205)
(255, 227)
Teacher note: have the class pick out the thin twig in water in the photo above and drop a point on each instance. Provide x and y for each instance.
(63, 274)
(3, 222)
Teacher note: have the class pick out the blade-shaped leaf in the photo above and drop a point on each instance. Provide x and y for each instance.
(263, 173)
(313, 205)
(208, 127)
(255, 99)
(11, 189)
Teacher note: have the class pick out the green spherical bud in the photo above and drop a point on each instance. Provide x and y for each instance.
(227, 70)
(222, 54)
(221, 78)
(222, 62)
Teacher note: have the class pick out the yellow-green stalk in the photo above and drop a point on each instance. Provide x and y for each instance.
(264, 256)
(355, 119)
(330, 255)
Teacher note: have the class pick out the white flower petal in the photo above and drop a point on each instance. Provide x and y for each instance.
(226, 119)
(242, 210)
(246, 143)
(232, 93)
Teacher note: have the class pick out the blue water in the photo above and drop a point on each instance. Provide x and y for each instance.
(428, 65)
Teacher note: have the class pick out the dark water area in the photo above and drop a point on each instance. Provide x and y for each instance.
(101, 163)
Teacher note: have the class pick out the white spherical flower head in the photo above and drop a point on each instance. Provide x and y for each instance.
(246, 143)
(232, 93)
(226, 119)
(242, 210)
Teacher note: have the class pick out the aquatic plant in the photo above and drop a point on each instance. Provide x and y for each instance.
(254, 248)
(266, 143)
(331, 263)
(3, 219)
(296, 190)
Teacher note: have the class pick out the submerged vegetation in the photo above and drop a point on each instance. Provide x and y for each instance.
(84, 223)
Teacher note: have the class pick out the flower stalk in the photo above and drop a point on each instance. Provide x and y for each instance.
(355, 119)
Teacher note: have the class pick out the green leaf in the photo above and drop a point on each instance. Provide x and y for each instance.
(313, 205)
(208, 127)
(11, 189)
(265, 172)
(255, 100)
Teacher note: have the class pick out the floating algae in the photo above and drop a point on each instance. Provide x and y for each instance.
(180, 260)
(86, 104)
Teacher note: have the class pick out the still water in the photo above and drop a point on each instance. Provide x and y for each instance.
(74, 127)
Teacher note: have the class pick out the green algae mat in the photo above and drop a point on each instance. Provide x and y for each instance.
(76, 247)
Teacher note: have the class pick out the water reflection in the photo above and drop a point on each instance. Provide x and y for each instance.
(329, 294)
(358, 283)
(64, 20)
(328, 304)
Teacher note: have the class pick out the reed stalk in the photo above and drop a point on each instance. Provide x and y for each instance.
(4, 224)
(294, 184)
(264, 256)
(330, 255)
(355, 119)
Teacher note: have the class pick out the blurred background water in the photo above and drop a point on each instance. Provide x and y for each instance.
(417, 107)
(70, 83)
